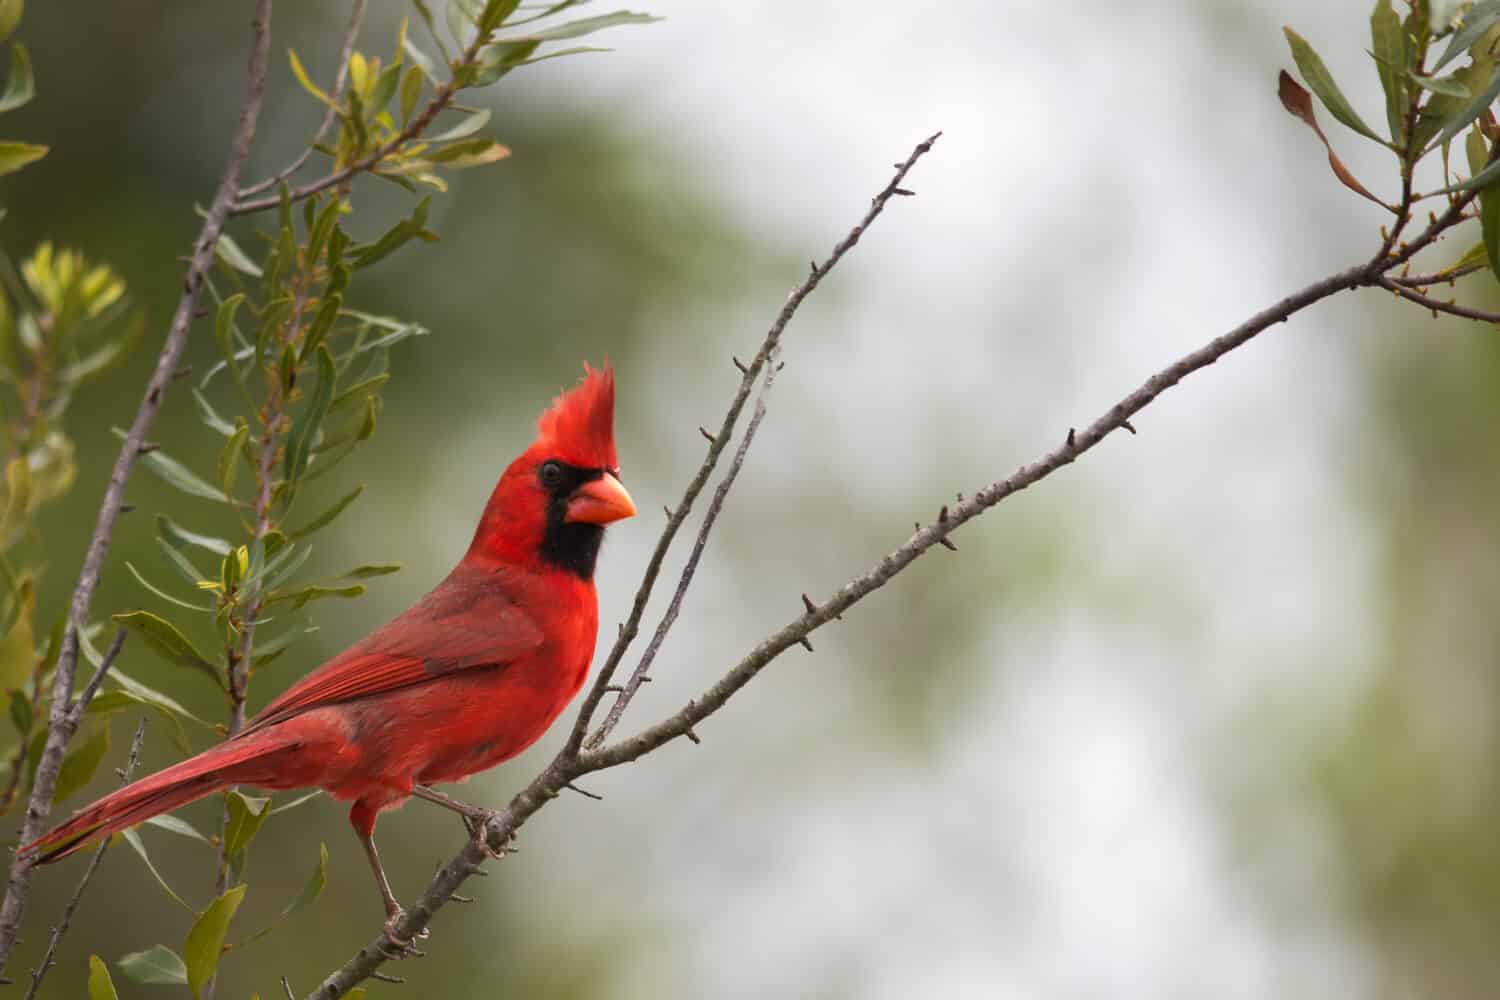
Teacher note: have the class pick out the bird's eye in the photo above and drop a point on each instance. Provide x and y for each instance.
(551, 474)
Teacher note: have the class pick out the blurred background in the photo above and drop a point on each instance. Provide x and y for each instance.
(1211, 712)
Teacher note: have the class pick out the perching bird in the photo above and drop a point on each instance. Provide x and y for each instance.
(469, 676)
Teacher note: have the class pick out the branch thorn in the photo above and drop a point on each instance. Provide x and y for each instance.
(806, 643)
(1071, 441)
(1128, 426)
(584, 792)
(740, 365)
(948, 544)
(710, 438)
(902, 191)
(697, 740)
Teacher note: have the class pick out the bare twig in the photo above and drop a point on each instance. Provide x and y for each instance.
(1437, 305)
(356, 17)
(92, 688)
(40, 804)
(669, 618)
(718, 442)
(1439, 278)
(48, 959)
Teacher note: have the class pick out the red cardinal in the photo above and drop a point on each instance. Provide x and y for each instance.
(470, 676)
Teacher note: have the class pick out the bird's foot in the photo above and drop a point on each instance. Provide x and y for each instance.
(477, 823)
(399, 947)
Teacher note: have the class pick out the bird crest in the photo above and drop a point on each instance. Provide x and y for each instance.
(579, 426)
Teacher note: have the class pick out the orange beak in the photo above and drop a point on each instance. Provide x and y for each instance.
(600, 501)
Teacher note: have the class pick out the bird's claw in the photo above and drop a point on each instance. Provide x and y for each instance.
(478, 826)
(399, 947)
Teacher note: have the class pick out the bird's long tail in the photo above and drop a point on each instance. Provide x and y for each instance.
(248, 760)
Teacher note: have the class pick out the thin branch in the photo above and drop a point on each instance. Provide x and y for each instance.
(441, 99)
(48, 959)
(1439, 278)
(92, 688)
(568, 766)
(718, 442)
(669, 617)
(1437, 305)
(45, 782)
(356, 17)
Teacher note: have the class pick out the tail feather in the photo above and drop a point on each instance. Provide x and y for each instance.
(230, 763)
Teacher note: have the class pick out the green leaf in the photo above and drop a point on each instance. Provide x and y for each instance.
(383, 91)
(10, 16)
(1470, 111)
(311, 890)
(306, 81)
(396, 237)
(352, 393)
(178, 536)
(366, 572)
(326, 518)
(307, 423)
(156, 966)
(190, 574)
(495, 13)
(83, 760)
(209, 416)
(265, 652)
(246, 814)
(303, 596)
(229, 456)
(20, 712)
(164, 637)
(1446, 86)
(422, 61)
(1321, 82)
(174, 473)
(1388, 39)
(411, 90)
(500, 58)
(298, 801)
(469, 153)
(101, 987)
(20, 86)
(15, 155)
(18, 648)
(170, 823)
(97, 362)
(589, 25)
(205, 942)
(229, 252)
(328, 313)
(141, 579)
(471, 124)
(1479, 19)
(133, 838)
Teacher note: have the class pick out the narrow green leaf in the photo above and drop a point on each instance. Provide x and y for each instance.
(265, 652)
(18, 647)
(205, 942)
(303, 596)
(107, 356)
(1446, 86)
(497, 59)
(495, 13)
(311, 890)
(307, 423)
(328, 313)
(246, 814)
(156, 966)
(174, 473)
(162, 593)
(1321, 82)
(469, 153)
(83, 760)
(352, 393)
(471, 124)
(422, 60)
(327, 516)
(170, 823)
(101, 987)
(168, 642)
(15, 155)
(383, 91)
(1479, 19)
(20, 86)
(190, 574)
(1388, 41)
(10, 16)
(298, 801)
(285, 563)
(1466, 114)
(366, 572)
(229, 252)
(133, 838)
(20, 712)
(396, 237)
(229, 456)
(589, 25)
(411, 90)
(306, 81)
(210, 416)
(179, 536)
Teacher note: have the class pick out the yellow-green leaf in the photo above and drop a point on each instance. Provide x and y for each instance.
(101, 987)
(10, 16)
(307, 84)
(18, 647)
(205, 942)
(157, 965)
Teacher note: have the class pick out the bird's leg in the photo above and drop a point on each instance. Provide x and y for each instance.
(393, 912)
(475, 817)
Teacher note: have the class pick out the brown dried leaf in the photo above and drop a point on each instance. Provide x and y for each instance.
(1298, 103)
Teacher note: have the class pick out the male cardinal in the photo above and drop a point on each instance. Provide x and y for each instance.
(470, 676)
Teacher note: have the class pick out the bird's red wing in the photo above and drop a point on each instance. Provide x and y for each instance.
(463, 624)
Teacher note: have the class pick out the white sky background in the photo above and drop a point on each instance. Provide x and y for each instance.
(1116, 184)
